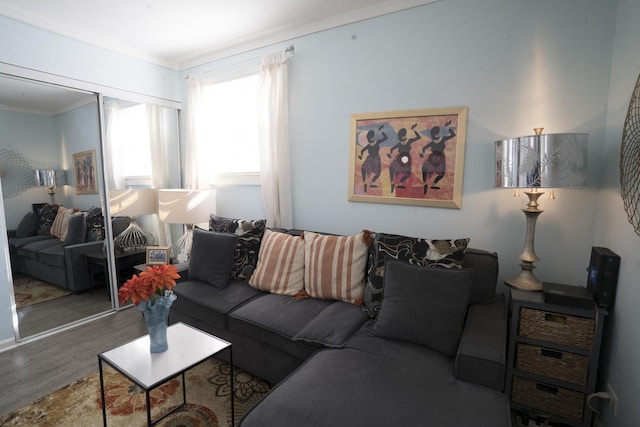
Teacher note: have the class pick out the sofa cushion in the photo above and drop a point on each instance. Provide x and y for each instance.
(33, 249)
(47, 216)
(417, 251)
(424, 306)
(203, 301)
(211, 257)
(76, 230)
(53, 255)
(280, 267)
(333, 326)
(275, 319)
(250, 232)
(17, 243)
(28, 225)
(334, 266)
(392, 384)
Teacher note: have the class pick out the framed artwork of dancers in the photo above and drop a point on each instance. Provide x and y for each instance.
(411, 157)
(84, 170)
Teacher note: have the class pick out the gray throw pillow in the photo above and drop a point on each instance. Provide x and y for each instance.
(77, 230)
(425, 306)
(211, 257)
(28, 225)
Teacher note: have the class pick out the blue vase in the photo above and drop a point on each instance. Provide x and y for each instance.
(156, 314)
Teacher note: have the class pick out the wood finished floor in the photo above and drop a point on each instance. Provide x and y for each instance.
(44, 316)
(39, 367)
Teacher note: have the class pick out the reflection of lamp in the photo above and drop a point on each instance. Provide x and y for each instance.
(539, 161)
(186, 207)
(49, 179)
(133, 203)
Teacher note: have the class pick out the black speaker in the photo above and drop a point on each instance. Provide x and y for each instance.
(603, 275)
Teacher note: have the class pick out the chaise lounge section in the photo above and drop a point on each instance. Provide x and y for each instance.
(426, 349)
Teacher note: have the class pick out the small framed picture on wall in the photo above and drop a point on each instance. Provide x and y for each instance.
(158, 255)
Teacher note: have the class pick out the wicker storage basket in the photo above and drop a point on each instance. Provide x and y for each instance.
(548, 399)
(561, 365)
(556, 328)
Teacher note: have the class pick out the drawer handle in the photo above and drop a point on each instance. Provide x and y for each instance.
(547, 388)
(555, 318)
(550, 353)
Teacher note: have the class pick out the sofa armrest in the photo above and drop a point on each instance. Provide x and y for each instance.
(481, 357)
(77, 271)
(11, 233)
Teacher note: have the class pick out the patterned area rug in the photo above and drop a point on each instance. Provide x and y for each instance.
(29, 291)
(208, 400)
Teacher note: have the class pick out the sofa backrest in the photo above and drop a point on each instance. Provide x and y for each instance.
(483, 263)
(485, 274)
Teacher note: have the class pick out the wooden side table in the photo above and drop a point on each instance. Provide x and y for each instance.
(553, 358)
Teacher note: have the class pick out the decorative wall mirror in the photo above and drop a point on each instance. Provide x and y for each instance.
(629, 154)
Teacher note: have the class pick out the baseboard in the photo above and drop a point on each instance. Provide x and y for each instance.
(7, 344)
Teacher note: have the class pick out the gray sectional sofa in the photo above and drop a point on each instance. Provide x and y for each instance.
(58, 258)
(431, 358)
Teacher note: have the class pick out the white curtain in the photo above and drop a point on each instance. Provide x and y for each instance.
(159, 165)
(112, 119)
(196, 176)
(274, 140)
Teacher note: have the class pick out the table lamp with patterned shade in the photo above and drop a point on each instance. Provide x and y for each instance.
(132, 203)
(533, 162)
(187, 207)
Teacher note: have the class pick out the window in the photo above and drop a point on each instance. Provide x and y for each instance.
(134, 142)
(230, 148)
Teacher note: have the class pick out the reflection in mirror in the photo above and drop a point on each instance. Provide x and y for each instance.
(142, 156)
(54, 216)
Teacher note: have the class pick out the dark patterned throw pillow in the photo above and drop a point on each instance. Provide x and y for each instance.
(250, 234)
(47, 216)
(445, 253)
(95, 225)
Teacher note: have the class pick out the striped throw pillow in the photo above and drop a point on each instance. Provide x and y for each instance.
(280, 268)
(335, 266)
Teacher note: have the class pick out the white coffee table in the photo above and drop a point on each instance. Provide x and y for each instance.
(188, 347)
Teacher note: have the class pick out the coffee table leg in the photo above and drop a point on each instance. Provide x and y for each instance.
(104, 404)
(233, 409)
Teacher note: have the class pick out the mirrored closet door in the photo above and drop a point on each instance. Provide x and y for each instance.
(51, 171)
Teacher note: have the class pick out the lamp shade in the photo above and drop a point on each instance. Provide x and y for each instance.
(50, 177)
(132, 202)
(176, 206)
(547, 161)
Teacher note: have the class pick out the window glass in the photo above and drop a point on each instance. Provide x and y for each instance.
(231, 145)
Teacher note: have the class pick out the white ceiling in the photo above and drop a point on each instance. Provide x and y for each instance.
(184, 33)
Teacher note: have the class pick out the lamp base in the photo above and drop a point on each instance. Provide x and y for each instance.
(182, 248)
(133, 238)
(525, 281)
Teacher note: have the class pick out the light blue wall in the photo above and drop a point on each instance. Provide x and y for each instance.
(78, 130)
(31, 136)
(622, 344)
(33, 48)
(516, 64)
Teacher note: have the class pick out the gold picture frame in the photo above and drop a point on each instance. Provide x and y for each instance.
(158, 255)
(85, 172)
(409, 157)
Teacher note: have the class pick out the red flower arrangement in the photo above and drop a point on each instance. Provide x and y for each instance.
(150, 284)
